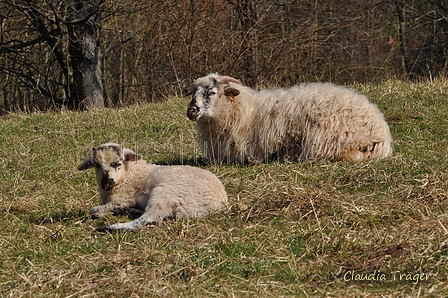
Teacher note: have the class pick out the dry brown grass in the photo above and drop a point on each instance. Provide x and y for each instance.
(291, 229)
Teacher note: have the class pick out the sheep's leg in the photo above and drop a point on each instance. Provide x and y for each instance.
(159, 207)
(146, 219)
(351, 156)
(101, 210)
(131, 226)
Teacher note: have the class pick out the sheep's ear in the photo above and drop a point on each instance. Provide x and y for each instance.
(229, 91)
(130, 155)
(87, 164)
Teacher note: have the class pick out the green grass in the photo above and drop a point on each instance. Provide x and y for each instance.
(291, 229)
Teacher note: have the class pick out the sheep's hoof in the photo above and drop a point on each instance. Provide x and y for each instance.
(351, 156)
(95, 212)
(94, 215)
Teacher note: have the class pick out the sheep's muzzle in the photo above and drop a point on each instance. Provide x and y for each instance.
(193, 112)
(107, 183)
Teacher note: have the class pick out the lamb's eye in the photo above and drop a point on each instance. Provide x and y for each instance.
(211, 93)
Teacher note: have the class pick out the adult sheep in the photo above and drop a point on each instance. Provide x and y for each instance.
(127, 183)
(305, 122)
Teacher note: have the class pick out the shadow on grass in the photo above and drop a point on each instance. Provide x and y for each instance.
(201, 162)
(58, 217)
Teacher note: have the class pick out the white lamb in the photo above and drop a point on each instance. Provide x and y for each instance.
(127, 183)
(305, 122)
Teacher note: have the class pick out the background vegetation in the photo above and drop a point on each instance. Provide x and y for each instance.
(291, 229)
(149, 50)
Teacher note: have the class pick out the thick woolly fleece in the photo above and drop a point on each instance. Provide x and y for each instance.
(154, 192)
(305, 122)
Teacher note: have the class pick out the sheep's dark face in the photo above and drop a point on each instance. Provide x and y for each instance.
(207, 93)
(109, 167)
(110, 162)
(203, 98)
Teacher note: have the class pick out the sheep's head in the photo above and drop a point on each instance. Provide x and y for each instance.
(111, 162)
(206, 92)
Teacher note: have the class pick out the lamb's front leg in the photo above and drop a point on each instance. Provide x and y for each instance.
(131, 226)
(159, 207)
(101, 210)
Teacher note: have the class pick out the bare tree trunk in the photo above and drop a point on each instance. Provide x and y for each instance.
(400, 13)
(84, 31)
(71, 29)
(247, 17)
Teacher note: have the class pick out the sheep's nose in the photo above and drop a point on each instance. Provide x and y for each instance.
(107, 184)
(192, 112)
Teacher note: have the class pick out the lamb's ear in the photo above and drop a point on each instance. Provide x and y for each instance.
(87, 164)
(130, 155)
(229, 91)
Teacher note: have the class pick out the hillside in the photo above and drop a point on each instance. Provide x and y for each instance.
(292, 229)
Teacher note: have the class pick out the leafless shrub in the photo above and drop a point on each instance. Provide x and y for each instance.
(154, 49)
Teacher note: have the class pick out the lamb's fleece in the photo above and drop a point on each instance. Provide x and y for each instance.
(307, 121)
(127, 183)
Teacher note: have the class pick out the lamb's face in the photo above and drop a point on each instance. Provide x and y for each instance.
(109, 166)
(207, 93)
(111, 162)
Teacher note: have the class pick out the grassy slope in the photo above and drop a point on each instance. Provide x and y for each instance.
(292, 229)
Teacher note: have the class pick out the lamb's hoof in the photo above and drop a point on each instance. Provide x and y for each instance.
(94, 215)
(95, 212)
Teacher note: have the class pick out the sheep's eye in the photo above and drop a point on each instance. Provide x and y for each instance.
(115, 165)
(211, 93)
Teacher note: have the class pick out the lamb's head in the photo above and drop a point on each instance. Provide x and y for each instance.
(111, 162)
(207, 91)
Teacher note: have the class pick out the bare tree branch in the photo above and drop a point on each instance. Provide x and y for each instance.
(29, 81)
(21, 45)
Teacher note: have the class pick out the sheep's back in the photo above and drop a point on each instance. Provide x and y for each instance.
(332, 119)
(190, 185)
(317, 120)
